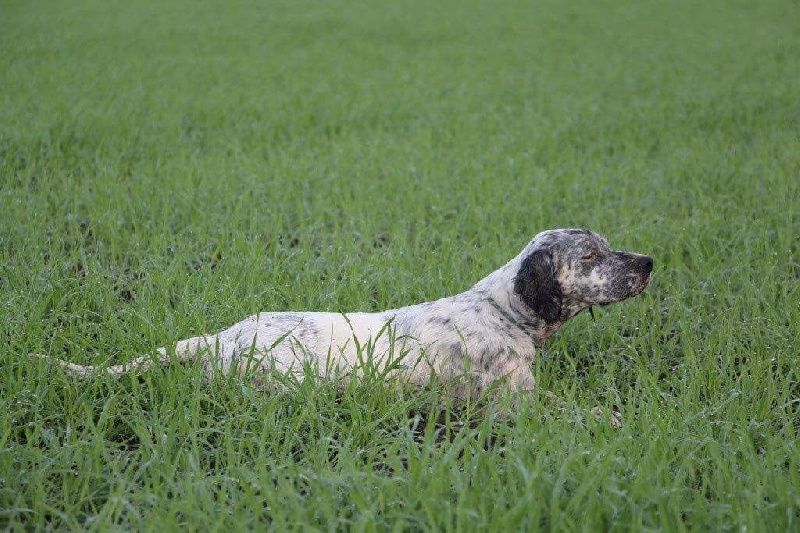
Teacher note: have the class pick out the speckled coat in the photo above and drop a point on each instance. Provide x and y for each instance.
(489, 332)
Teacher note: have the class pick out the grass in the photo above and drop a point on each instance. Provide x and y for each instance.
(167, 168)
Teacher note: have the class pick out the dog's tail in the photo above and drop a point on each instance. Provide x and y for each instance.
(185, 350)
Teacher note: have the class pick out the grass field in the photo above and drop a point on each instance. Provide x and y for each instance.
(167, 168)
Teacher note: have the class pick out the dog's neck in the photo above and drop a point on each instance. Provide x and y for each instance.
(498, 289)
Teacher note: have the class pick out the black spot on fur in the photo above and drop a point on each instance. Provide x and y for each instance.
(457, 350)
(507, 326)
(493, 361)
(441, 320)
(537, 286)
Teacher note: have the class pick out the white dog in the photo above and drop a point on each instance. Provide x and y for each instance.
(487, 333)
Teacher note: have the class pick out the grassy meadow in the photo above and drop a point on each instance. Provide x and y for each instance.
(167, 168)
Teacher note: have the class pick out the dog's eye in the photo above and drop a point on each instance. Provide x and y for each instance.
(589, 255)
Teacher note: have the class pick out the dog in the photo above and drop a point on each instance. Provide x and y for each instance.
(488, 333)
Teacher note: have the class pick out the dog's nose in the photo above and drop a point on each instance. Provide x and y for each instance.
(646, 262)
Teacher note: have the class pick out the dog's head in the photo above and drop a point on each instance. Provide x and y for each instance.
(564, 271)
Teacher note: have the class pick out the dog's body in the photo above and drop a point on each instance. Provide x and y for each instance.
(487, 333)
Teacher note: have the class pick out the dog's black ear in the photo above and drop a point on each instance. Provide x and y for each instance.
(538, 287)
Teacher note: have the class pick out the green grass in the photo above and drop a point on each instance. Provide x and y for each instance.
(167, 168)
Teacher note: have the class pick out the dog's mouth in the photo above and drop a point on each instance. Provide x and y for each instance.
(641, 281)
(644, 281)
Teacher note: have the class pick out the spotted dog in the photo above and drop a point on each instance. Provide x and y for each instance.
(489, 332)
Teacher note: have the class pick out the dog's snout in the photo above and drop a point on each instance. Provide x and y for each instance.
(646, 263)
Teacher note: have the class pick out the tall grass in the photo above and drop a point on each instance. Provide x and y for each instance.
(167, 168)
